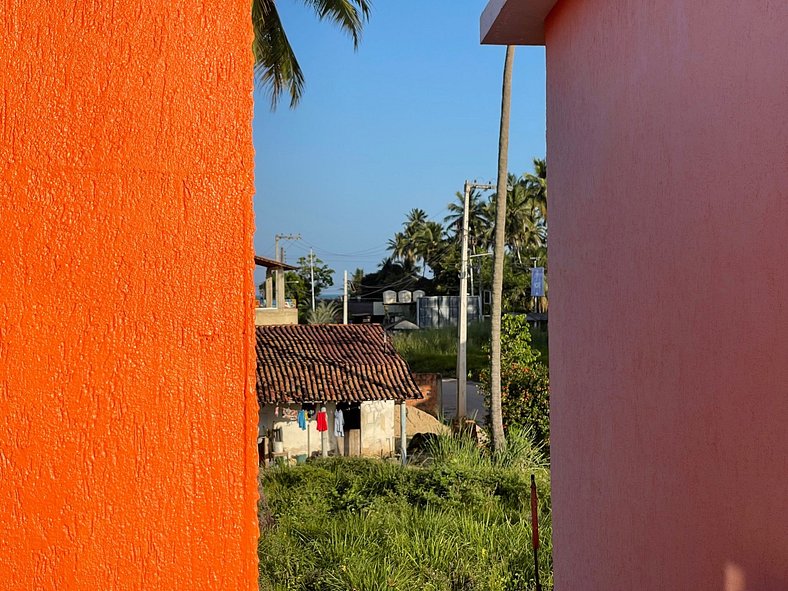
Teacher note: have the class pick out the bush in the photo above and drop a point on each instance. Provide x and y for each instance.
(525, 383)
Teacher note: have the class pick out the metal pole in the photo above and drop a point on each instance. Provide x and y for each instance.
(462, 333)
(344, 303)
(481, 290)
(403, 433)
(535, 531)
(312, 274)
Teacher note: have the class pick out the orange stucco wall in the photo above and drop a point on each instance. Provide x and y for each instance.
(668, 156)
(127, 410)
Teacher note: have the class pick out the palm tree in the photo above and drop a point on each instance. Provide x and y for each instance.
(479, 222)
(525, 229)
(428, 240)
(324, 313)
(496, 414)
(406, 246)
(403, 248)
(415, 219)
(526, 210)
(536, 184)
(356, 281)
(276, 66)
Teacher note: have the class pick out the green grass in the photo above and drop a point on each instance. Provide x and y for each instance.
(460, 522)
(435, 350)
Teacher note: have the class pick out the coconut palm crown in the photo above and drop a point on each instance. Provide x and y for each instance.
(276, 67)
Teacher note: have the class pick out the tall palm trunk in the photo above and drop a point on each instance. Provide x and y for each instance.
(499, 440)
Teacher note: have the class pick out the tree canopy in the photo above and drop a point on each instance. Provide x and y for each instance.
(425, 254)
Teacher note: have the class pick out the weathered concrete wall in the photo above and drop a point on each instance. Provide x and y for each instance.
(377, 430)
(127, 410)
(275, 316)
(377, 427)
(668, 155)
(296, 440)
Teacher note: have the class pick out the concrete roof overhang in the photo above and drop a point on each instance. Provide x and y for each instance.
(515, 22)
(272, 264)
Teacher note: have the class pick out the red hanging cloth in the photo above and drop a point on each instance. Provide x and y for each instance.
(322, 422)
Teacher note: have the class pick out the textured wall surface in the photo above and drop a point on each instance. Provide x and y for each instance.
(296, 441)
(127, 409)
(668, 155)
(377, 427)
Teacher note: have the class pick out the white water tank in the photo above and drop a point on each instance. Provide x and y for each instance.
(404, 297)
(418, 294)
(389, 296)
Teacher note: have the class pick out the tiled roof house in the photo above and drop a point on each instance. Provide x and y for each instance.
(330, 363)
(347, 368)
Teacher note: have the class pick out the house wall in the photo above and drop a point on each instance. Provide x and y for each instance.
(667, 147)
(127, 408)
(377, 427)
(377, 431)
(275, 316)
(296, 440)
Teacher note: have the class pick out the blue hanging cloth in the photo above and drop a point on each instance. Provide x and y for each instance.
(302, 419)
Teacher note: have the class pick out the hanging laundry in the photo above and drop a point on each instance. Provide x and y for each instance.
(302, 419)
(322, 420)
(289, 414)
(339, 423)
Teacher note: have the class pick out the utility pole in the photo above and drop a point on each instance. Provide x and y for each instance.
(462, 332)
(279, 274)
(344, 303)
(277, 238)
(312, 275)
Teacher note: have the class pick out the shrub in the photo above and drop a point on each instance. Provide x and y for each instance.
(525, 384)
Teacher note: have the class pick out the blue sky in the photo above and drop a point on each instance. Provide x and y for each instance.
(399, 124)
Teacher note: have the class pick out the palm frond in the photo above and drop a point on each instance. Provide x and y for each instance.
(276, 67)
(350, 15)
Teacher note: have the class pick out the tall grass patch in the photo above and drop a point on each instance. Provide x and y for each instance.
(459, 522)
(434, 350)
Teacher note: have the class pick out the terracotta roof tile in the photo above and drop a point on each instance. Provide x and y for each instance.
(330, 362)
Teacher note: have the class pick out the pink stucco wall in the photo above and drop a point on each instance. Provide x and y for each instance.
(668, 155)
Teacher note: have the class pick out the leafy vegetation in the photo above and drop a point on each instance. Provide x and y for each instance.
(525, 385)
(459, 522)
(324, 313)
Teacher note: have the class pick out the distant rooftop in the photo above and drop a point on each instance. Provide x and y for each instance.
(272, 264)
(330, 362)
